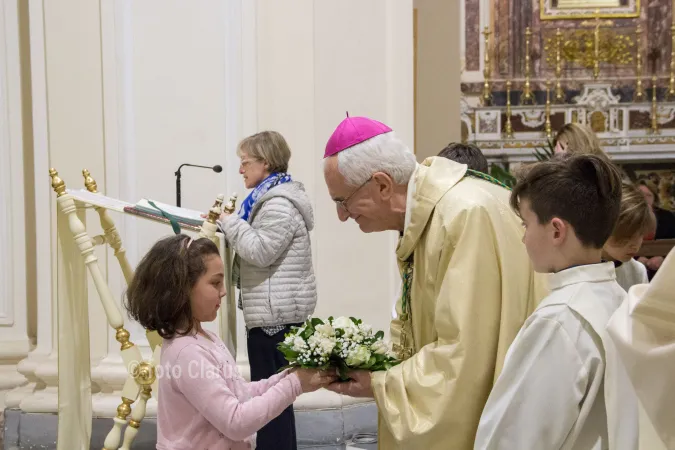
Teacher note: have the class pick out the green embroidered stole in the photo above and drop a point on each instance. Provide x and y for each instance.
(406, 346)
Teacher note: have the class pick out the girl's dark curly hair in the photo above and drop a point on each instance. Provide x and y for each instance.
(158, 296)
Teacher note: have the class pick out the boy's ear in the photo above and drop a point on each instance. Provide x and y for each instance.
(560, 229)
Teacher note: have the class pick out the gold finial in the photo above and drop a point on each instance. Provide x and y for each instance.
(144, 374)
(509, 127)
(548, 110)
(57, 183)
(527, 96)
(214, 214)
(487, 94)
(559, 94)
(122, 336)
(229, 208)
(639, 89)
(219, 201)
(89, 182)
(124, 409)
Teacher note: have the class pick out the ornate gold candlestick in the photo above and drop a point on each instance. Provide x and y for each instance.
(527, 97)
(655, 121)
(596, 46)
(548, 110)
(639, 89)
(559, 94)
(487, 94)
(508, 131)
(671, 83)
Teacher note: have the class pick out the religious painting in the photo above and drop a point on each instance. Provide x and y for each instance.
(587, 9)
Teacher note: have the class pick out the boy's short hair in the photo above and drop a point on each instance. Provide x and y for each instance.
(583, 190)
(635, 216)
(468, 154)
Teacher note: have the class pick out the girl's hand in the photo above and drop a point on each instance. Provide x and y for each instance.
(314, 379)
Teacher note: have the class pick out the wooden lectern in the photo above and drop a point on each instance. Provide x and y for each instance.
(77, 248)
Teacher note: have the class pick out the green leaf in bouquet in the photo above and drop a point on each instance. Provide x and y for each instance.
(316, 321)
(379, 335)
(371, 362)
(330, 319)
(289, 354)
(342, 370)
(309, 331)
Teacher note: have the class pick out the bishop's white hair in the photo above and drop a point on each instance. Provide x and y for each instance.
(383, 153)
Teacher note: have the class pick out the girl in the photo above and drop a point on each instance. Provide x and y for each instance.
(205, 403)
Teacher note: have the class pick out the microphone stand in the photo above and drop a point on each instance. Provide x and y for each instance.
(178, 187)
(216, 168)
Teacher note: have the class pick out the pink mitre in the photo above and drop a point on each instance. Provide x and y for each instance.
(352, 131)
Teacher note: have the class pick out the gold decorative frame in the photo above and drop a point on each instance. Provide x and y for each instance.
(547, 12)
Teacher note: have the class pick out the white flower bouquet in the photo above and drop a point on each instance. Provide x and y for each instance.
(345, 343)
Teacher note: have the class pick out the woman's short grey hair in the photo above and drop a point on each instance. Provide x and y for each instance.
(383, 153)
(268, 146)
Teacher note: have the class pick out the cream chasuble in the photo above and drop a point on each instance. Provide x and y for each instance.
(471, 286)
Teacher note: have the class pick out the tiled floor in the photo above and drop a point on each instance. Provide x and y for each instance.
(316, 430)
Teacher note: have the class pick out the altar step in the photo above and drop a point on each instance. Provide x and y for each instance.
(324, 429)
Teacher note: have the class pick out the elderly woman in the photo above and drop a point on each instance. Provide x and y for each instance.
(273, 264)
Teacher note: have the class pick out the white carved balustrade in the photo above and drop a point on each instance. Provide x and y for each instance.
(141, 381)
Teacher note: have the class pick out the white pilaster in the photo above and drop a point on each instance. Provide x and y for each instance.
(120, 176)
(14, 342)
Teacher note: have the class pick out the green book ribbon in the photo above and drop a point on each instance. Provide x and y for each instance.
(170, 217)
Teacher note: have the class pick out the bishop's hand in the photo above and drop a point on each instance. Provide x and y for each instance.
(359, 385)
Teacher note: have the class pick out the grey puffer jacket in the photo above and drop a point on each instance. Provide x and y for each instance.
(275, 257)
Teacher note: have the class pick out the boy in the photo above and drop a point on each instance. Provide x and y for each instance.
(636, 219)
(562, 386)
(467, 154)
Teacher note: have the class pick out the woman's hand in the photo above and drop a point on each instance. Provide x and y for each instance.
(314, 379)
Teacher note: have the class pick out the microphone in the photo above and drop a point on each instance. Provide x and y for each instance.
(217, 169)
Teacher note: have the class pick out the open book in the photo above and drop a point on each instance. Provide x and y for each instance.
(182, 215)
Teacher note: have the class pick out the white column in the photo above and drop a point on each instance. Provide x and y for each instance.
(14, 342)
(120, 173)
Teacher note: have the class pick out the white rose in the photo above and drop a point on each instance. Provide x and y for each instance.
(313, 340)
(365, 329)
(379, 348)
(327, 346)
(358, 356)
(346, 324)
(299, 344)
(325, 329)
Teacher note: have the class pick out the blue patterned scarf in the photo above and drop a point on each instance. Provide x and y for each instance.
(261, 189)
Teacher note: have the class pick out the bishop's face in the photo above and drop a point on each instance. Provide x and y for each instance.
(362, 203)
